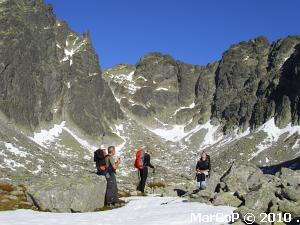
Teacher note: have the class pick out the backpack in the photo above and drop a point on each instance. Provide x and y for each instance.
(139, 159)
(100, 160)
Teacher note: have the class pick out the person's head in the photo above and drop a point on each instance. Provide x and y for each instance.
(149, 152)
(111, 150)
(203, 156)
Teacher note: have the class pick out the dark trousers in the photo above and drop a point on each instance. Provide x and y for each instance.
(111, 195)
(143, 174)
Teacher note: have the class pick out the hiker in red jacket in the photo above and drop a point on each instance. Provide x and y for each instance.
(142, 163)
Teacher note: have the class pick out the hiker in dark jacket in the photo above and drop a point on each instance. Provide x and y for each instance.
(143, 173)
(203, 168)
(111, 196)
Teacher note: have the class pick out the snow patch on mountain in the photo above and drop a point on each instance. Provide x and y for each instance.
(45, 137)
(273, 133)
(162, 89)
(15, 151)
(191, 106)
(71, 49)
(236, 135)
(176, 133)
(212, 136)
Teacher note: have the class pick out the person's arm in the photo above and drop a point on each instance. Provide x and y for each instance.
(197, 167)
(114, 164)
(149, 162)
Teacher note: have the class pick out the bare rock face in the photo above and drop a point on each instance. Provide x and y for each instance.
(50, 75)
(46, 70)
(237, 79)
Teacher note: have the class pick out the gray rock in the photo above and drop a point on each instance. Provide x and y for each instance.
(203, 196)
(243, 211)
(226, 198)
(289, 177)
(286, 206)
(259, 200)
(79, 194)
(241, 178)
(291, 193)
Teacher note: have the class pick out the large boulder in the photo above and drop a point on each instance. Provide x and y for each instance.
(69, 194)
(213, 181)
(289, 177)
(242, 177)
(260, 199)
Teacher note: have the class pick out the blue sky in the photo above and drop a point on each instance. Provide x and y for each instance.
(193, 31)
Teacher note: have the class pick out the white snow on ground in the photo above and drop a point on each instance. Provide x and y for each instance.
(127, 81)
(162, 89)
(211, 137)
(273, 133)
(93, 74)
(191, 106)
(160, 122)
(11, 164)
(146, 211)
(38, 169)
(119, 130)
(71, 50)
(177, 132)
(246, 58)
(45, 137)
(141, 77)
(296, 145)
(82, 142)
(233, 137)
(15, 150)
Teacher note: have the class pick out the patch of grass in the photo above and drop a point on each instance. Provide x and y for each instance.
(6, 187)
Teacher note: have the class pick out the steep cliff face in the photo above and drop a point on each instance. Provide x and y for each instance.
(46, 70)
(253, 82)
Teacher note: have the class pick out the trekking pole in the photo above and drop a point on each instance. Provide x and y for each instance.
(186, 194)
(102, 138)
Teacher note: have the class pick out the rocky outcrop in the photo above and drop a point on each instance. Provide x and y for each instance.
(46, 70)
(251, 191)
(69, 194)
(237, 79)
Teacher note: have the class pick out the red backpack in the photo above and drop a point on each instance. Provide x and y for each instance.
(139, 159)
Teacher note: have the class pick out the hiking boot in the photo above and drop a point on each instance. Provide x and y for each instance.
(110, 206)
(120, 201)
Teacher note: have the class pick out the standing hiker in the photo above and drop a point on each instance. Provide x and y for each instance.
(111, 196)
(142, 162)
(203, 168)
